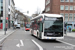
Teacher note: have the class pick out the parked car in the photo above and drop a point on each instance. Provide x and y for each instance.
(18, 25)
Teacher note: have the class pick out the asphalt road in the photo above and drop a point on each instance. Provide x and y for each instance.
(22, 40)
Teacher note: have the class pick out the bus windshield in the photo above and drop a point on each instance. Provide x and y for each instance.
(53, 25)
(27, 25)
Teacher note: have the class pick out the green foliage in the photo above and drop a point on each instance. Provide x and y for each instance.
(21, 25)
(73, 30)
(29, 19)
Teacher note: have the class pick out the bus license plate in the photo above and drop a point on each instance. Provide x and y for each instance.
(49, 33)
(52, 38)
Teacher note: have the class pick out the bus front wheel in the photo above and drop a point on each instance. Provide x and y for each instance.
(39, 36)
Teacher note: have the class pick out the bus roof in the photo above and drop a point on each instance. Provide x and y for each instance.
(48, 15)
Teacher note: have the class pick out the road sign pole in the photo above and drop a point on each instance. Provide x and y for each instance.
(5, 19)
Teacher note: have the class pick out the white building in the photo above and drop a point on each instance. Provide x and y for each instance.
(11, 12)
(19, 17)
(7, 6)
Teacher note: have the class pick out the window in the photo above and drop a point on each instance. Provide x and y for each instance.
(62, 14)
(1, 1)
(66, 17)
(41, 27)
(1, 8)
(74, 0)
(66, 7)
(61, 0)
(62, 7)
(70, 17)
(71, 0)
(8, 16)
(74, 7)
(1, 4)
(9, 10)
(66, 0)
(71, 7)
(48, 9)
(0, 21)
(47, 2)
(9, 2)
(74, 17)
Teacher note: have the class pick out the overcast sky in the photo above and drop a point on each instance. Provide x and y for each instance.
(29, 5)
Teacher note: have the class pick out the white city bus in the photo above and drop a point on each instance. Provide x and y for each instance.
(47, 26)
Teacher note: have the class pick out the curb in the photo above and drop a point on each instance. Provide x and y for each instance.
(6, 37)
(69, 36)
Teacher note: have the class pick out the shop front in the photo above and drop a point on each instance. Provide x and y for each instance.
(70, 25)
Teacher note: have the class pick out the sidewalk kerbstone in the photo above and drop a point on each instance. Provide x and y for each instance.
(71, 34)
(3, 37)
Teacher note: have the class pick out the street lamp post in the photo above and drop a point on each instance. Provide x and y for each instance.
(5, 19)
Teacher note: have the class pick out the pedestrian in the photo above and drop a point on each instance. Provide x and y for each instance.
(65, 30)
(69, 29)
(13, 25)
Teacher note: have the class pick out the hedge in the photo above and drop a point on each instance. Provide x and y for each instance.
(73, 30)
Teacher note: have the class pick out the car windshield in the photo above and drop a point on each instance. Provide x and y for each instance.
(53, 25)
(27, 25)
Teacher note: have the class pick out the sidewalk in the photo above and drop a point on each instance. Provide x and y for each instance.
(3, 36)
(71, 34)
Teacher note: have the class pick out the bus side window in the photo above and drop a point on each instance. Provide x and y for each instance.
(32, 26)
(41, 27)
(38, 25)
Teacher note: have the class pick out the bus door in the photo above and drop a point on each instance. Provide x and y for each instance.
(40, 28)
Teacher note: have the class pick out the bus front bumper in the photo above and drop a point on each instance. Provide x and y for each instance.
(52, 37)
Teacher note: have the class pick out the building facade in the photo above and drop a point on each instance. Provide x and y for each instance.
(11, 12)
(19, 17)
(7, 13)
(63, 7)
(1, 13)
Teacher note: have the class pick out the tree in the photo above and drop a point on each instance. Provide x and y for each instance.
(38, 11)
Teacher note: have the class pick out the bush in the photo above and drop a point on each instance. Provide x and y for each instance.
(73, 30)
(22, 25)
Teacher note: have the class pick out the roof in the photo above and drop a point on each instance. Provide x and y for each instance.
(53, 15)
(48, 15)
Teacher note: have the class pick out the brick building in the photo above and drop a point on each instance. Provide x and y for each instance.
(63, 7)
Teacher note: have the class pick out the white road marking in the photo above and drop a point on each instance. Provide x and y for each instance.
(16, 39)
(19, 45)
(40, 48)
(9, 39)
(25, 31)
(67, 43)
